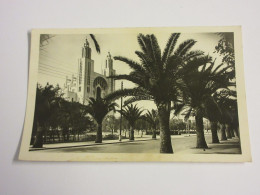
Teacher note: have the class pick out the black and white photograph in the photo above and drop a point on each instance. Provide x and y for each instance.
(136, 94)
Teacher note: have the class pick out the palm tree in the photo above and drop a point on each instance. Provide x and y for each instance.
(98, 109)
(213, 115)
(152, 118)
(201, 81)
(45, 98)
(77, 117)
(156, 77)
(64, 118)
(131, 113)
(229, 114)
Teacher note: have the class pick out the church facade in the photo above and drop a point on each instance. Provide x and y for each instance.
(88, 83)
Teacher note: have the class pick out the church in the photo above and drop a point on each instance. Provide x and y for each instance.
(88, 83)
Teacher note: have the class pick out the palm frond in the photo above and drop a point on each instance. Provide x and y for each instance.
(178, 108)
(185, 47)
(156, 50)
(192, 54)
(187, 114)
(132, 64)
(131, 113)
(151, 117)
(170, 46)
(147, 62)
(140, 39)
(99, 108)
(126, 92)
(137, 98)
(130, 77)
(95, 42)
(223, 70)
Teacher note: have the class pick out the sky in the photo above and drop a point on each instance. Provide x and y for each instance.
(59, 57)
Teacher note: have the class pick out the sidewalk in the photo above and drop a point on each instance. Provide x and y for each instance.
(89, 143)
(92, 143)
(230, 146)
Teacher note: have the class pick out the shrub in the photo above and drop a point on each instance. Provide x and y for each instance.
(89, 138)
(110, 137)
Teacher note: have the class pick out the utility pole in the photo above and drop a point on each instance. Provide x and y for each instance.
(120, 138)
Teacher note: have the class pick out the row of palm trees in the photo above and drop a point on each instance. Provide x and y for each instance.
(99, 108)
(52, 112)
(181, 80)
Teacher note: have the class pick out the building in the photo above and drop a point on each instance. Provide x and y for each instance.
(88, 83)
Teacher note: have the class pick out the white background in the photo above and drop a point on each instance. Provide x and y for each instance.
(17, 18)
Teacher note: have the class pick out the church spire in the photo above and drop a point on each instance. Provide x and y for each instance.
(86, 50)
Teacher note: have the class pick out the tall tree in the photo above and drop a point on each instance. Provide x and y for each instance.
(111, 123)
(201, 80)
(98, 109)
(156, 77)
(214, 116)
(64, 119)
(46, 97)
(225, 48)
(229, 114)
(152, 118)
(131, 113)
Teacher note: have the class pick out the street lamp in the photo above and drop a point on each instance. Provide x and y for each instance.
(120, 136)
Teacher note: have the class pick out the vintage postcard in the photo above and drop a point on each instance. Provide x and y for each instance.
(136, 94)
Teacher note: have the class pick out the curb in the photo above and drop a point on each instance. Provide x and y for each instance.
(37, 149)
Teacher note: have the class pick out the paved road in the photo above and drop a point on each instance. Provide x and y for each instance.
(179, 144)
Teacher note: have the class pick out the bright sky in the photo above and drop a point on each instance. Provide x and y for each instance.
(59, 57)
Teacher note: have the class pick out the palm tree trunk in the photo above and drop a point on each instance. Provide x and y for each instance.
(99, 134)
(232, 130)
(154, 134)
(201, 142)
(164, 118)
(214, 127)
(38, 142)
(68, 135)
(53, 134)
(232, 133)
(236, 131)
(45, 136)
(132, 137)
(58, 135)
(228, 131)
(223, 132)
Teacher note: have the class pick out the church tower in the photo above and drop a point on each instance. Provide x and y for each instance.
(88, 83)
(109, 71)
(85, 69)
